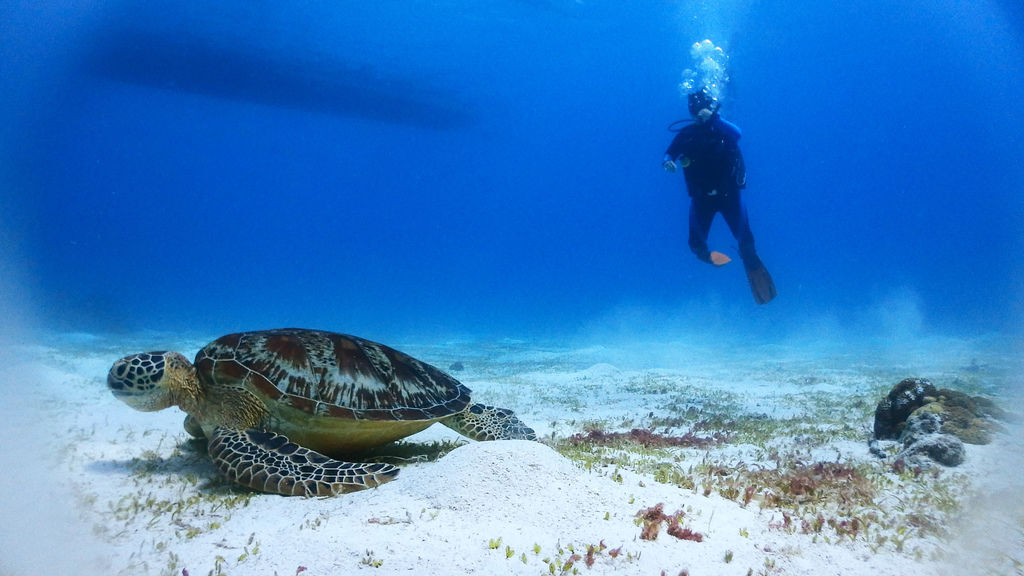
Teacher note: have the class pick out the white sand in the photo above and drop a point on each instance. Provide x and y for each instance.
(93, 487)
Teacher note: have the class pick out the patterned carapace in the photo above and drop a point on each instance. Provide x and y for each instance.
(332, 375)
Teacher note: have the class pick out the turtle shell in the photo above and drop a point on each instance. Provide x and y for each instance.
(333, 375)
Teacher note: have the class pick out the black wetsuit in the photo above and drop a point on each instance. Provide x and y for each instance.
(714, 177)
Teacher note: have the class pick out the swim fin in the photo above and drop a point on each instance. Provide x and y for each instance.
(719, 259)
(761, 284)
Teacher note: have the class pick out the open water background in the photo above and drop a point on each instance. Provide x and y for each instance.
(419, 170)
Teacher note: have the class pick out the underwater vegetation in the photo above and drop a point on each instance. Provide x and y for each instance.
(648, 439)
(789, 467)
(651, 519)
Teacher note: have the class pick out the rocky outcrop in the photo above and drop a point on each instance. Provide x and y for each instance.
(892, 412)
(919, 423)
(945, 449)
(969, 418)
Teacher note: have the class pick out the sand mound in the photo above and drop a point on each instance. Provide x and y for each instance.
(486, 477)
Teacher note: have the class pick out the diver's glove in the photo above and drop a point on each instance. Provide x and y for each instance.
(669, 166)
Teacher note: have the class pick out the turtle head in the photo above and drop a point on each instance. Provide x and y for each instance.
(152, 380)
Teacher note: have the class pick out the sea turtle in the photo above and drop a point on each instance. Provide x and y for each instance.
(270, 402)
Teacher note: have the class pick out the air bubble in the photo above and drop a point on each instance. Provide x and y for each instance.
(710, 70)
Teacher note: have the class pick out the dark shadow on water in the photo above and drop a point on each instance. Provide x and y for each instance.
(326, 84)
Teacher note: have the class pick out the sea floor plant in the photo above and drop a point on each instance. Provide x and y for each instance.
(776, 464)
(563, 559)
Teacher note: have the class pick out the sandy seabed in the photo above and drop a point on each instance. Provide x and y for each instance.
(90, 486)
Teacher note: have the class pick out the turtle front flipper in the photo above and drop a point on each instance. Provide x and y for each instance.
(193, 428)
(268, 462)
(481, 422)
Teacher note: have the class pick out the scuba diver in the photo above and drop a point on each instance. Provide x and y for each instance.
(708, 150)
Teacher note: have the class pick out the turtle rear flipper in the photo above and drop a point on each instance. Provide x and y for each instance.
(481, 422)
(268, 462)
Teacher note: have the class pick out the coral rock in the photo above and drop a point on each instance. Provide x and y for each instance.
(931, 424)
(892, 412)
(945, 449)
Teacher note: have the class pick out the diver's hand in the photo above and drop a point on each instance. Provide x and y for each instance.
(669, 166)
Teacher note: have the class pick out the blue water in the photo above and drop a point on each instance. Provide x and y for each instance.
(493, 168)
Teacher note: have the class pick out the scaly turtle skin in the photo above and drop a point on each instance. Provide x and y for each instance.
(279, 406)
